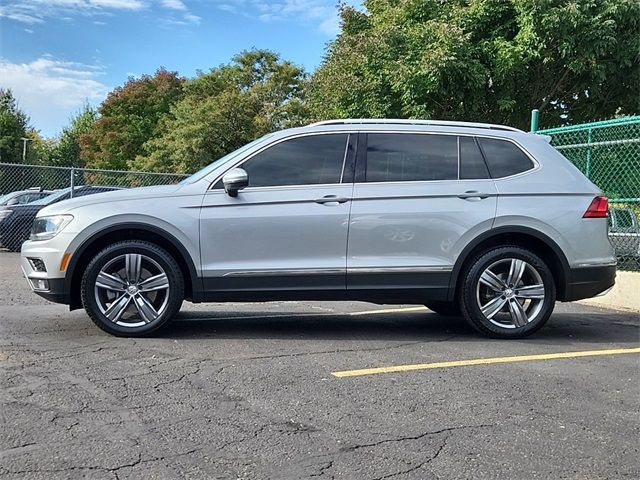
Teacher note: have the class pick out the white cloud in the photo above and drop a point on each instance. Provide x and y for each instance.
(173, 4)
(322, 13)
(38, 11)
(51, 90)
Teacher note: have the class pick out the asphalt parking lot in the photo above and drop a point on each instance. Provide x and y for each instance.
(250, 391)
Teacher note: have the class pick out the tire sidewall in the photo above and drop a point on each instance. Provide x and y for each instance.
(164, 259)
(470, 305)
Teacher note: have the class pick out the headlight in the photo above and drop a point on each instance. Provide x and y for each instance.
(5, 213)
(45, 228)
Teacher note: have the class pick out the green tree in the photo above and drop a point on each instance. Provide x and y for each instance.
(225, 108)
(66, 151)
(482, 60)
(128, 118)
(13, 127)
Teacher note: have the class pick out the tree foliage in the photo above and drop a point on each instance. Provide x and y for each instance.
(223, 109)
(66, 151)
(14, 124)
(482, 60)
(128, 118)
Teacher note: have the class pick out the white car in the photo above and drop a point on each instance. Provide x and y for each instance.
(484, 221)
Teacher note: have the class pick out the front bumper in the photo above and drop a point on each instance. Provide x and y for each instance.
(587, 282)
(47, 280)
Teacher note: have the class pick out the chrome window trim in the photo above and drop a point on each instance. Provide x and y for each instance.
(348, 133)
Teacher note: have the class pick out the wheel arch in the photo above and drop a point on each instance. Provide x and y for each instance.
(129, 231)
(526, 237)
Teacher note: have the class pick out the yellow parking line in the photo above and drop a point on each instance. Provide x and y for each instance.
(482, 361)
(389, 310)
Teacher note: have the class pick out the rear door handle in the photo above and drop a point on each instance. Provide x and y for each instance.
(473, 195)
(331, 199)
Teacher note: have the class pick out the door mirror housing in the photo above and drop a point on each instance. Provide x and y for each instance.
(234, 180)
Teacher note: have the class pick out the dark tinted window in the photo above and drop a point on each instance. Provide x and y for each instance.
(411, 157)
(472, 164)
(300, 161)
(504, 158)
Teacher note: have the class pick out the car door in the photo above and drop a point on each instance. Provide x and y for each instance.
(418, 199)
(287, 230)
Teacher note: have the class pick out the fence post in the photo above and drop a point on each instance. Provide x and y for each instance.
(72, 181)
(587, 172)
(534, 120)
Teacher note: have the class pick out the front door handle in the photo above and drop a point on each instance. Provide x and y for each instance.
(473, 195)
(331, 199)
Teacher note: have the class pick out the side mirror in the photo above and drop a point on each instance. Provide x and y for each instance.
(234, 180)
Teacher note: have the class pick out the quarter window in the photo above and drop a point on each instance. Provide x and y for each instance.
(308, 160)
(504, 158)
(411, 157)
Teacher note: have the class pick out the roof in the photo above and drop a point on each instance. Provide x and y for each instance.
(395, 121)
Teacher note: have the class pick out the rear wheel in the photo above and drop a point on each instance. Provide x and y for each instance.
(132, 288)
(447, 309)
(507, 292)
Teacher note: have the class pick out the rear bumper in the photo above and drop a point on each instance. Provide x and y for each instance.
(587, 282)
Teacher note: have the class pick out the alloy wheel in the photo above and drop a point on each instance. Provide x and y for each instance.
(132, 290)
(510, 293)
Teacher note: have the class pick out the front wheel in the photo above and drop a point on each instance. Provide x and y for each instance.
(507, 292)
(132, 288)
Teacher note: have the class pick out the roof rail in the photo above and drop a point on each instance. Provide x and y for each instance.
(398, 121)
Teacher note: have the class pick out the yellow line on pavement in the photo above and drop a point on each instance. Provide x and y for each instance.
(389, 310)
(482, 361)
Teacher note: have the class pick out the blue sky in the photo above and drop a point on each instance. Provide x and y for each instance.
(57, 54)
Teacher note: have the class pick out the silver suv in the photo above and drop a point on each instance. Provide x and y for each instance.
(484, 221)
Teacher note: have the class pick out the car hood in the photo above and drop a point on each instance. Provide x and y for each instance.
(106, 197)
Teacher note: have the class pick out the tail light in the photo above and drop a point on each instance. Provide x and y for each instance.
(599, 208)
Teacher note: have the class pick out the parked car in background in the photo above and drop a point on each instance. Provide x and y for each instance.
(22, 197)
(484, 221)
(624, 233)
(16, 220)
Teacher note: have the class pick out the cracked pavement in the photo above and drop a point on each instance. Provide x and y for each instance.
(244, 391)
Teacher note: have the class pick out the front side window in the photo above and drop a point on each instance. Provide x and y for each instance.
(411, 157)
(504, 158)
(309, 160)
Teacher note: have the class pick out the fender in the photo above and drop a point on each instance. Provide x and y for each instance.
(462, 258)
(196, 281)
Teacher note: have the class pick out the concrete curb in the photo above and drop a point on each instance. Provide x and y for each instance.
(625, 295)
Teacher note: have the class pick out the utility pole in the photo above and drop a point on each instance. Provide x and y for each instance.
(24, 148)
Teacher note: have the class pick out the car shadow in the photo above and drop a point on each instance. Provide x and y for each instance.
(599, 327)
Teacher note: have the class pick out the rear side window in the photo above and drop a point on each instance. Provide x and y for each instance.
(411, 157)
(308, 160)
(472, 164)
(504, 158)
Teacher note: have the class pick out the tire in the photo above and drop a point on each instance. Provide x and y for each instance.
(126, 301)
(495, 303)
(446, 309)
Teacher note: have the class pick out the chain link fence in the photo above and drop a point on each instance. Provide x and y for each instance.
(25, 189)
(608, 153)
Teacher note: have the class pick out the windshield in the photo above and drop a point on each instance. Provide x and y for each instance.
(212, 166)
(51, 198)
(5, 198)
